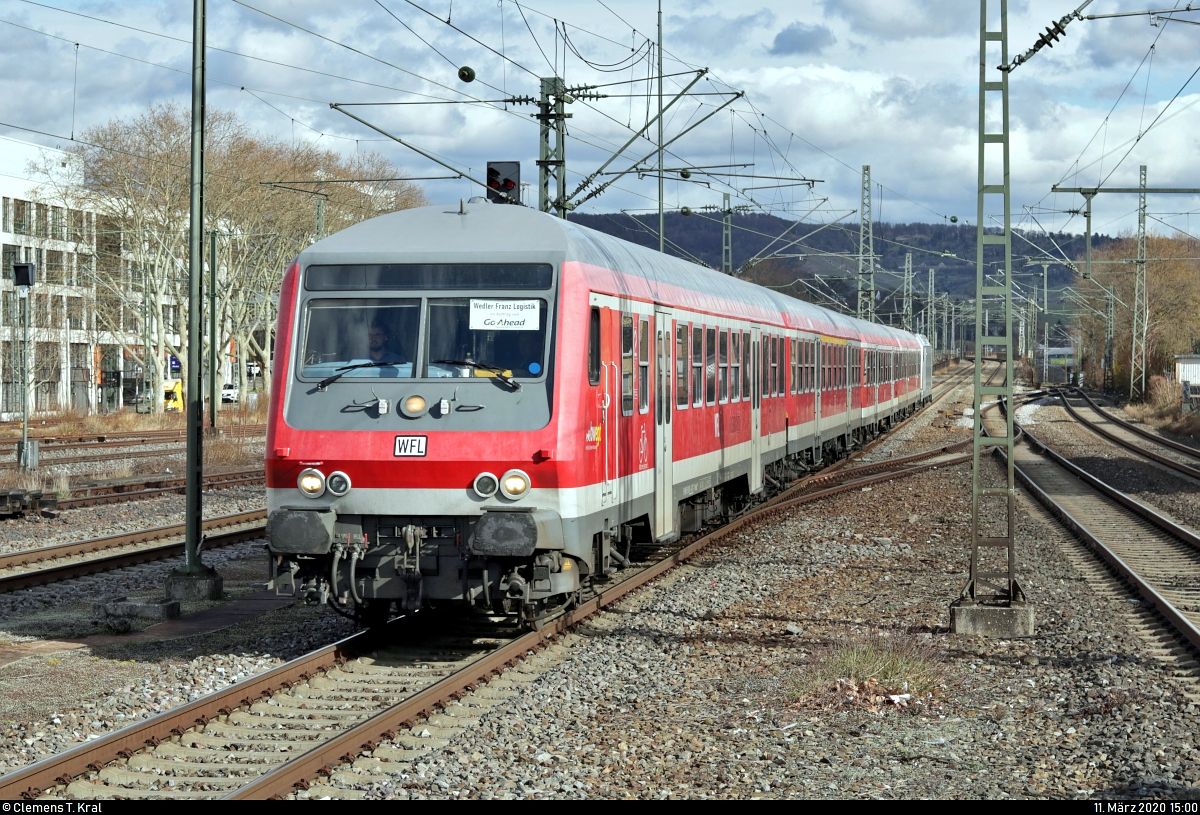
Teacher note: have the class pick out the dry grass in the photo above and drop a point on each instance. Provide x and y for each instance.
(232, 452)
(1162, 409)
(866, 671)
(128, 420)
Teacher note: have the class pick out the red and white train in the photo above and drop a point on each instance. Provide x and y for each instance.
(486, 405)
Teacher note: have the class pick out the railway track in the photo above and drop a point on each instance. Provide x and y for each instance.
(128, 438)
(154, 486)
(1157, 557)
(176, 448)
(283, 730)
(50, 564)
(1132, 438)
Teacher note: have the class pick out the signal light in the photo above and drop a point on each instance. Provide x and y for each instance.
(504, 182)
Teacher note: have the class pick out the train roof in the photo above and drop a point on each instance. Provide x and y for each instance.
(499, 233)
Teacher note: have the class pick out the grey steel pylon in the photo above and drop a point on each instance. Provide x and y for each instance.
(907, 315)
(866, 251)
(1137, 368)
(993, 571)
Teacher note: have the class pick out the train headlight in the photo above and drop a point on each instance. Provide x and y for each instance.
(311, 483)
(514, 484)
(338, 484)
(414, 406)
(485, 485)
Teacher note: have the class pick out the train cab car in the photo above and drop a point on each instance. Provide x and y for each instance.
(486, 405)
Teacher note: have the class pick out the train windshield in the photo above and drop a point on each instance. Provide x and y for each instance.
(468, 335)
(344, 332)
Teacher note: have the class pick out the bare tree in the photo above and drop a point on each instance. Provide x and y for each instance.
(135, 174)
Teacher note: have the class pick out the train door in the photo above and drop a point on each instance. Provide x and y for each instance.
(756, 442)
(664, 482)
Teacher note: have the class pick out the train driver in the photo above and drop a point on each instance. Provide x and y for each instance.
(377, 344)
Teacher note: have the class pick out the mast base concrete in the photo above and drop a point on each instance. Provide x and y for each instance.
(202, 585)
(995, 621)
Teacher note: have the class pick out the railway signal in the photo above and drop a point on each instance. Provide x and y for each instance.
(504, 182)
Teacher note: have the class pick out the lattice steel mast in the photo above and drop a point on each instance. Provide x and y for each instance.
(993, 572)
(866, 251)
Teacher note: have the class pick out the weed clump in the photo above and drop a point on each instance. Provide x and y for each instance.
(870, 672)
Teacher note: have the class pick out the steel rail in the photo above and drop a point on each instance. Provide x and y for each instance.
(365, 736)
(1188, 629)
(30, 782)
(130, 436)
(1141, 431)
(163, 486)
(1116, 439)
(52, 574)
(174, 450)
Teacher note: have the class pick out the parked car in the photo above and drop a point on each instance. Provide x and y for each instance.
(229, 394)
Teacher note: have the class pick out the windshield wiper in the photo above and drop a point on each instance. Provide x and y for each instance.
(344, 370)
(499, 372)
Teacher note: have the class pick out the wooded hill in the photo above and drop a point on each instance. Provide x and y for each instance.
(947, 248)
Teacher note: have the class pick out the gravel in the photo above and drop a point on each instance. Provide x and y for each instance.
(1147, 481)
(31, 531)
(688, 688)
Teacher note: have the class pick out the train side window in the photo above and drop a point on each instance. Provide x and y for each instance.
(747, 368)
(627, 364)
(783, 366)
(824, 352)
(681, 365)
(697, 366)
(594, 347)
(723, 366)
(790, 347)
(643, 365)
(766, 344)
(806, 375)
(710, 367)
(735, 367)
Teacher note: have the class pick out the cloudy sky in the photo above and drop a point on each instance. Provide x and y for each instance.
(829, 86)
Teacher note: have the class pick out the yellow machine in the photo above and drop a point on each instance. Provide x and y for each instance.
(173, 396)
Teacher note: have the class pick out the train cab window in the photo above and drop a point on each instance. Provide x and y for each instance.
(735, 366)
(681, 365)
(344, 332)
(643, 365)
(594, 347)
(466, 336)
(723, 366)
(627, 364)
(697, 366)
(710, 367)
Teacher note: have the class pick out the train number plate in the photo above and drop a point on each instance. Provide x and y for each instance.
(410, 445)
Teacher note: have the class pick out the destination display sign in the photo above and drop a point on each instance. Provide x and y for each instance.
(505, 315)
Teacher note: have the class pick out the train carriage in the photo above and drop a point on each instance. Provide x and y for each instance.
(487, 405)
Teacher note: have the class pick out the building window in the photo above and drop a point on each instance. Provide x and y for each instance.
(681, 365)
(643, 365)
(697, 366)
(627, 364)
(22, 217)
